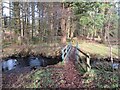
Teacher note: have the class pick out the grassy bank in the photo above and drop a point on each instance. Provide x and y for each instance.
(98, 50)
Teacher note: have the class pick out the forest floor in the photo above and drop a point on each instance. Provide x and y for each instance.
(60, 75)
(64, 74)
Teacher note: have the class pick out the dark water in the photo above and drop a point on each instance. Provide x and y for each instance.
(32, 62)
(39, 61)
(115, 65)
(106, 62)
(9, 64)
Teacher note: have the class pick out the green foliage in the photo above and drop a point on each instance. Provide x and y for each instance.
(93, 16)
(84, 20)
(99, 20)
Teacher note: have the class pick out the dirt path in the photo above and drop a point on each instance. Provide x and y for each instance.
(70, 76)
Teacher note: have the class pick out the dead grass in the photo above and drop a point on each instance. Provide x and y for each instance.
(98, 49)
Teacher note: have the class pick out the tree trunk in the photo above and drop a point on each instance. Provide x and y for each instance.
(39, 24)
(42, 20)
(51, 22)
(63, 26)
(33, 17)
(16, 15)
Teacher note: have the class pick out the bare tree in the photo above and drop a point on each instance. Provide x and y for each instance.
(63, 24)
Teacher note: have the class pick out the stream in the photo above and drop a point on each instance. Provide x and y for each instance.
(105, 63)
(34, 62)
(11, 64)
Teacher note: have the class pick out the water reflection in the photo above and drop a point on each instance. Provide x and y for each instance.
(32, 62)
(115, 65)
(9, 64)
(35, 62)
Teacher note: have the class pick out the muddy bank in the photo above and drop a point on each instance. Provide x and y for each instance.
(101, 63)
(48, 49)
